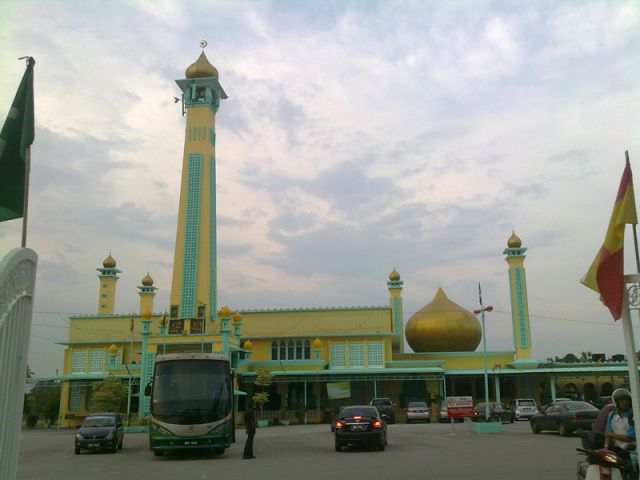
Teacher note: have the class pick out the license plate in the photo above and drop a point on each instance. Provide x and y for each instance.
(94, 445)
(191, 442)
(359, 427)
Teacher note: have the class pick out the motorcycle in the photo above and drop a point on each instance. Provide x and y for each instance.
(602, 463)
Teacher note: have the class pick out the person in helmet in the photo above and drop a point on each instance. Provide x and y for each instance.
(620, 432)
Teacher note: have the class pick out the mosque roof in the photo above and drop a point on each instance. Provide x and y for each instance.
(201, 68)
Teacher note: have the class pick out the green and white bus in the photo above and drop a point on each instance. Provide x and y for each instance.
(191, 403)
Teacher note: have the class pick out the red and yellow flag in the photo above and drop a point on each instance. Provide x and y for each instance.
(606, 274)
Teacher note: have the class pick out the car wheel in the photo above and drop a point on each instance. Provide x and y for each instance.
(408, 421)
(563, 430)
(338, 447)
(535, 428)
(77, 450)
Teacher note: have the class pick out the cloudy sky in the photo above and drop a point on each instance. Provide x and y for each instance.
(357, 137)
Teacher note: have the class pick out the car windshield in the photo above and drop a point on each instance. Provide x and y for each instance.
(526, 403)
(359, 412)
(381, 402)
(574, 406)
(99, 422)
(417, 404)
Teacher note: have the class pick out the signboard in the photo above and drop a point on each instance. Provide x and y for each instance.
(337, 390)
(460, 407)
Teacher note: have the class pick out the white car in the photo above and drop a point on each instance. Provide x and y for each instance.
(418, 412)
(523, 408)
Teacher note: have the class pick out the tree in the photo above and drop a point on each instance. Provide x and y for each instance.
(263, 380)
(109, 395)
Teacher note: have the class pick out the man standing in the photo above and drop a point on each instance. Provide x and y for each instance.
(620, 430)
(250, 428)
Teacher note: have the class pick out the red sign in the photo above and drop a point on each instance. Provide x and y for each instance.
(460, 407)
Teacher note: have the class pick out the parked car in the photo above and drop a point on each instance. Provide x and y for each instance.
(565, 417)
(360, 425)
(602, 401)
(523, 408)
(418, 412)
(335, 418)
(100, 431)
(386, 408)
(497, 411)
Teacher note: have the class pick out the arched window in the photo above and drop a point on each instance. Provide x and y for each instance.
(298, 350)
(290, 351)
(307, 350)
(283, 351)
(274, 350)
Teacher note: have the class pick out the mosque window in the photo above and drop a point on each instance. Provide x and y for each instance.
(75, 398)
(375, 355)
(96, 361)
(290, 351)
(274, 350)
(307, 350)
(337, 355)
(299, 350)
(356, 355)
(283, 351)
(79, 361)
(173, 311)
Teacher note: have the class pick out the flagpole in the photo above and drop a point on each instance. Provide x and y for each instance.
(632, 356)
(634, 226)
(27, 167)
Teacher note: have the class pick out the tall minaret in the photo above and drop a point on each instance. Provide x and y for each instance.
(395, 302)
(193, 286)
(147, 292)
(107, 294)
(519, 303)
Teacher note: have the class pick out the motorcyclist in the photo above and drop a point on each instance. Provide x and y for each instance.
(620, 432)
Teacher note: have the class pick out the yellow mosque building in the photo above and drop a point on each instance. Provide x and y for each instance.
(309, 351)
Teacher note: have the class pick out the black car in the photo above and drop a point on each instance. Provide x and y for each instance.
(565, 417)
(360, 425)
(386, 408)
(100, 431)
(497, 411)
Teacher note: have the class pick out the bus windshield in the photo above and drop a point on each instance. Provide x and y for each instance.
(189, 392)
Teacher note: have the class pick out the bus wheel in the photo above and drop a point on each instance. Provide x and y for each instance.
(158, 453)
(219, 451)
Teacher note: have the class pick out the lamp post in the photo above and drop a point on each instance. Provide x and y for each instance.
(481, 311)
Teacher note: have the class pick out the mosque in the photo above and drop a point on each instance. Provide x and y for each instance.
(311, 352)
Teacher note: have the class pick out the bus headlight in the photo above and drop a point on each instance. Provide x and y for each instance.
(217, 428)
(79, 437)
(160, 429)
(109, 436)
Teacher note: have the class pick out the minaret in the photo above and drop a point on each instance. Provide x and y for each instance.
(519, 303)
(147, 292)
(108, 277)
(395, 302)
(193, 286)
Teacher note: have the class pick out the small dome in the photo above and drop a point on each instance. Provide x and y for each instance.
(317, 344)
(394, 276)
(443, 326)
(514, 241)
(225, 312)
(201, 68)
(248, 346)
(113, 349)
(109, 262)
(147, 281)
(237, 318)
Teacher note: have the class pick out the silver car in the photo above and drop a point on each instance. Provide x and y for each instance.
(523, 408)
(418, 412)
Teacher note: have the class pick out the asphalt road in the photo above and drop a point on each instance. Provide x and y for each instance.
(416, 451)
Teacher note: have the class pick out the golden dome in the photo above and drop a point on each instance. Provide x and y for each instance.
(248, 346)
(514, 241)
(109, 262)
(201, 68)
(394, 276)
(317, 344)
(443, 326)
(113, 350)
(237, 318)
(225, 312)
(147, 281)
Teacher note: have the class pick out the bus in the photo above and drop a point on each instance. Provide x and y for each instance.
(191, 403)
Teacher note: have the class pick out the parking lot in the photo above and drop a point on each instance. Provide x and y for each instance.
(416, 451)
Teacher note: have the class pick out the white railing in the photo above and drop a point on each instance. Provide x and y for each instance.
(17, 285)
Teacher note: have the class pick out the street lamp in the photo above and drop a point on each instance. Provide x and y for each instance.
(481, 311)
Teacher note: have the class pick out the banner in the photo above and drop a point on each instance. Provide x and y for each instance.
(337, 390)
